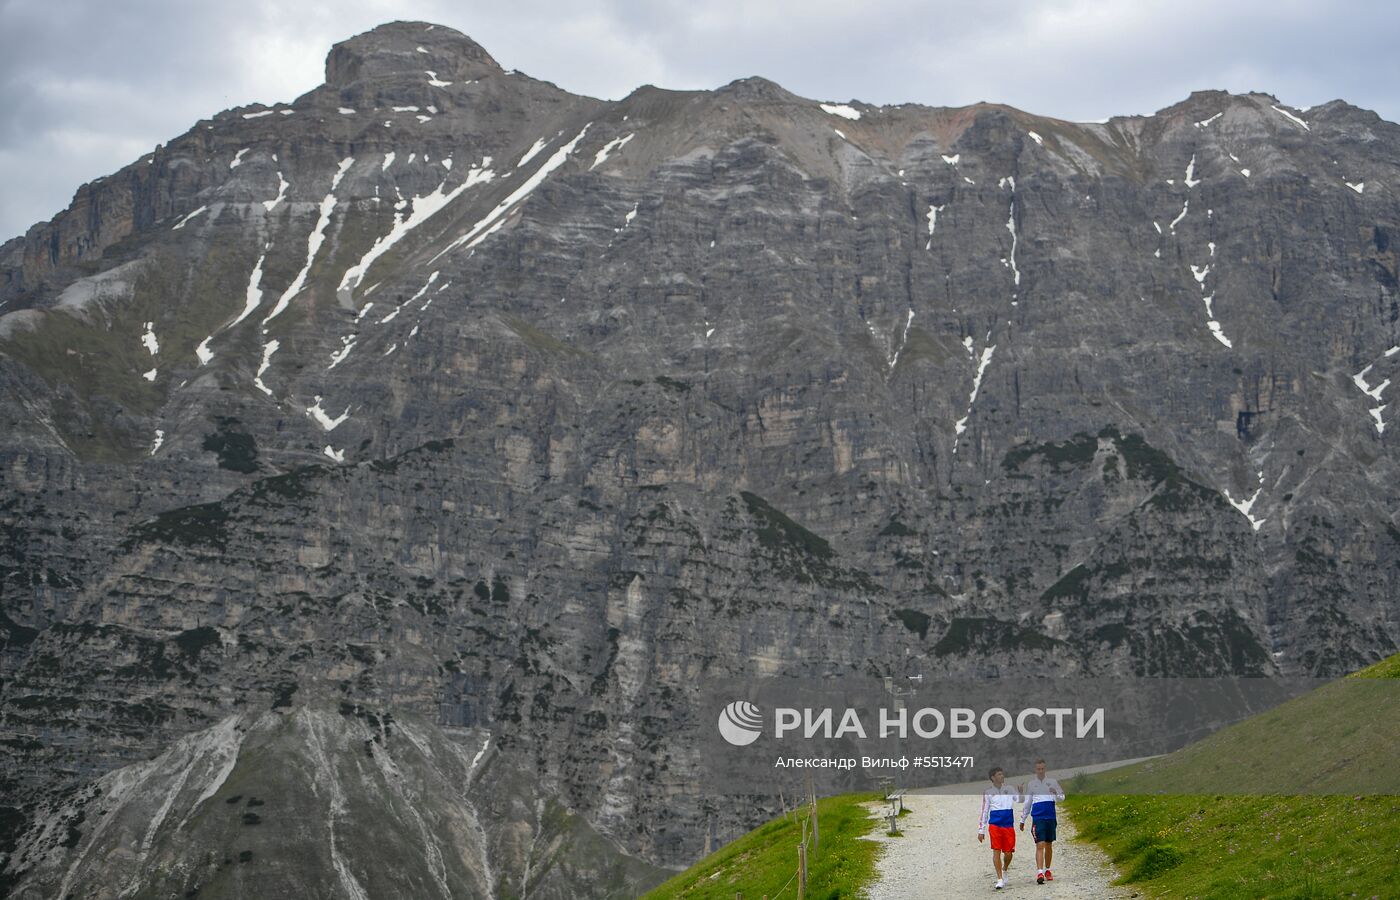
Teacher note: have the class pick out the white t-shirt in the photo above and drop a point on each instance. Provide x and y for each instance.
(1041, 795)
(999, 807)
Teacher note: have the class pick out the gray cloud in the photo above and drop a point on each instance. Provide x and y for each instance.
(87, 86)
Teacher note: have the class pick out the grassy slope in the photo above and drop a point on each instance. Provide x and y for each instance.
(1211, 845)
(762, 861)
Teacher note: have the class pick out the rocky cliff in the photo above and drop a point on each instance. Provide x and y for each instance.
(444, 397)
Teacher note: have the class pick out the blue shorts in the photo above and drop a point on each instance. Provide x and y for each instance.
(1043, 830)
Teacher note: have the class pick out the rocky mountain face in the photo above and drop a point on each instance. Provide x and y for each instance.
(410, 452)
(318, 802)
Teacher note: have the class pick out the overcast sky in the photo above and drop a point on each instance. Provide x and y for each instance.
(87, 86)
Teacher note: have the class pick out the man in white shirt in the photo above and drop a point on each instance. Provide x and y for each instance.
(998, 812)
(1041, 796)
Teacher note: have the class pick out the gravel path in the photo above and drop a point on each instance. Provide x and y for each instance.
(938, 856)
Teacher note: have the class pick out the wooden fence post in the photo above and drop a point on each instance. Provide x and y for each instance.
(801, 872)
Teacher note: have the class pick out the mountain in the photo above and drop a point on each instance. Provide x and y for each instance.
(515, 415)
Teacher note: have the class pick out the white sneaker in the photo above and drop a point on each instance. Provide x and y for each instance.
(1001, 883)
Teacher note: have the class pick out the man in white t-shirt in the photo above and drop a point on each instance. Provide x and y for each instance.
(998, 812)
(1041, 795)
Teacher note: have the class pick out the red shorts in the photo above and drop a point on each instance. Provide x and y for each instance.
(1002, 838)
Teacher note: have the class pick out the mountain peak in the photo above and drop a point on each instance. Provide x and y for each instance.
(757, 88)
(408, 47)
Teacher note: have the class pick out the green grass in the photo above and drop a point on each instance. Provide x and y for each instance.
(1247, 847)
(1227, 844)
(1333, 740)
(1386, 668)
(762, 861)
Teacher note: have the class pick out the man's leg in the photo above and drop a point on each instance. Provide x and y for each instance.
(1049, 852)
(1040, 855)
(1006, 858)
(996, 861)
